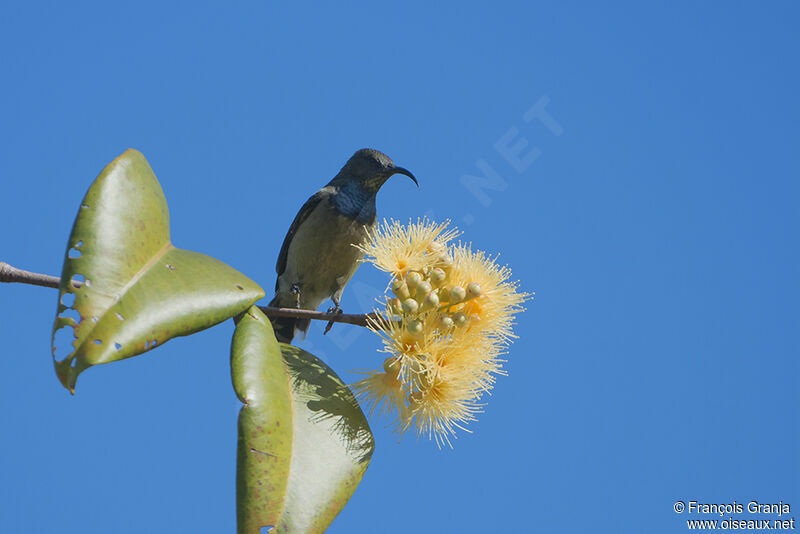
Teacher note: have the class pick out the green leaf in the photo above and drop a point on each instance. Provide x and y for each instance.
(138, 290)
(304, 442)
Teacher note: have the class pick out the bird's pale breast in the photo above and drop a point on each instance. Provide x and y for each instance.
(321, 258)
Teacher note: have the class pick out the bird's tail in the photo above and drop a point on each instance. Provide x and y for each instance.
(285, 327)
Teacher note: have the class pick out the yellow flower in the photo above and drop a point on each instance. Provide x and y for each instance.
(445, 326)
(397, 249)
(438, 410)
(492, 311)
(381, 391)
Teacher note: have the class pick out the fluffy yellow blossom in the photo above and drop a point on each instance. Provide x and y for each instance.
(492, 310)
(397, 249)
(445, 326)
(384, 391)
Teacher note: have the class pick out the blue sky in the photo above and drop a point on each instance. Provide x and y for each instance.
(656, 221)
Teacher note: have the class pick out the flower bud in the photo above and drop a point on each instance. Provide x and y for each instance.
(412, 279)
(444, 261)
(426, 380)
(423, 288)
(437, 277)
(459, 319)
(414, 327)
(435, 246)
(444, 294)
(394, 306)
(445, 322)
(431, 302)
(391, 365)
(400, 289)
(457, 294)
(473, 290)
(410, 306)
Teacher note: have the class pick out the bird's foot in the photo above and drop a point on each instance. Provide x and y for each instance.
(335, 310)
(295, 290)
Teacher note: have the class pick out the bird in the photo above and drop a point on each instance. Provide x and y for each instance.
(318, 256)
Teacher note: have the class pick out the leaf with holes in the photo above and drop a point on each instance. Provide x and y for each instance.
(124, 287)
(304, 443)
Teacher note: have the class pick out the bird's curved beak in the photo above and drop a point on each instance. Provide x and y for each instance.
(401, 170)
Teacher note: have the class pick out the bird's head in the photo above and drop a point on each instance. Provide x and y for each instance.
(371, 168)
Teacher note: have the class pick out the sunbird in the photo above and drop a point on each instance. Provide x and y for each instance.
(319, 256)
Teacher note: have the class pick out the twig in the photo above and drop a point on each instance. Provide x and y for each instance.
(13, 275)
(358, 320)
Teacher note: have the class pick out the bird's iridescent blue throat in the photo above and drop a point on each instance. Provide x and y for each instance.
(355, 201)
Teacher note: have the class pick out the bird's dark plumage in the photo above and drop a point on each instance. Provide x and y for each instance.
(318, 256)
(301, 216)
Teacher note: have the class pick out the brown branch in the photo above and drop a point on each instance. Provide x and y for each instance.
(358, 320)
(11, 274)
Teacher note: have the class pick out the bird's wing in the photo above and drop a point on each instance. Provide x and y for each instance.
(302, 215)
